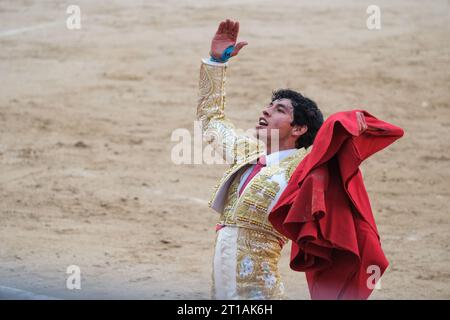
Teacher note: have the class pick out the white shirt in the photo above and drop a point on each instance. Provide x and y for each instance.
(271, 159)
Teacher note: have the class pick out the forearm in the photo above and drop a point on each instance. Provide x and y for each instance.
(211, 103)
(217, 129)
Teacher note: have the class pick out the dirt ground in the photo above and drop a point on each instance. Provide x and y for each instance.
(86, 118)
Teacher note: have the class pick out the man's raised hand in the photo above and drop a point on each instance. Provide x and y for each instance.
(226, 36)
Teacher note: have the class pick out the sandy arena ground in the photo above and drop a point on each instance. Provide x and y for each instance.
(86, 118)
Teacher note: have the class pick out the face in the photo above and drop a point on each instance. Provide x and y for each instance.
(278, 115)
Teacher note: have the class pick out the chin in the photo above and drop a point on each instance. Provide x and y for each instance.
(261, 133)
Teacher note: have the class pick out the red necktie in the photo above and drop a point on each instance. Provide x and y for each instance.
(259, 165)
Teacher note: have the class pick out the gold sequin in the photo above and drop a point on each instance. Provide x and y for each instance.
(259, 244)
(257, 272)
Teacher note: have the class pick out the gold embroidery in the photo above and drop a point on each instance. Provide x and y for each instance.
(258, 254)
(259, 244)
(295, 161)
(251, 210)
(217, 129)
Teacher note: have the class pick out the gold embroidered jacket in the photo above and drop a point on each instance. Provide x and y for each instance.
(251, 209)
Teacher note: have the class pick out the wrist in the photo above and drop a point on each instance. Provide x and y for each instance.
(211, 62)
(226, 55)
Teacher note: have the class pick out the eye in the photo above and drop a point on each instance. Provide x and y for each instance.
(281, 110)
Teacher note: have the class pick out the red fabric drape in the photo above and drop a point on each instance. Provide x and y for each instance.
(325, 209)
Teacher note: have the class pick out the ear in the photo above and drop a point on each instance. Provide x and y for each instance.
(299, 130)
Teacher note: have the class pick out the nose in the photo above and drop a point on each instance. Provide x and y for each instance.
(266, 112)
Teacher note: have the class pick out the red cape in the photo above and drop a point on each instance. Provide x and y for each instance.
(325, 209)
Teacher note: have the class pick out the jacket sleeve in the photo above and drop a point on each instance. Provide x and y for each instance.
(217, 129)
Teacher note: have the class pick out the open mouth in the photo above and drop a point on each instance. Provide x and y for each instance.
(263, 122)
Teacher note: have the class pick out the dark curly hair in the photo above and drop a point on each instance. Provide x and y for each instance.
(306, 113)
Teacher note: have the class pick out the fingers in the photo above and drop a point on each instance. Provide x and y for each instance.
(235, 29)
(229, 27)
(221, 27)
(238, 47)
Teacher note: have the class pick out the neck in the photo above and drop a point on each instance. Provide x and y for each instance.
(280, 148)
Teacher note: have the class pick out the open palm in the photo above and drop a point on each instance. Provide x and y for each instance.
(226, 35)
